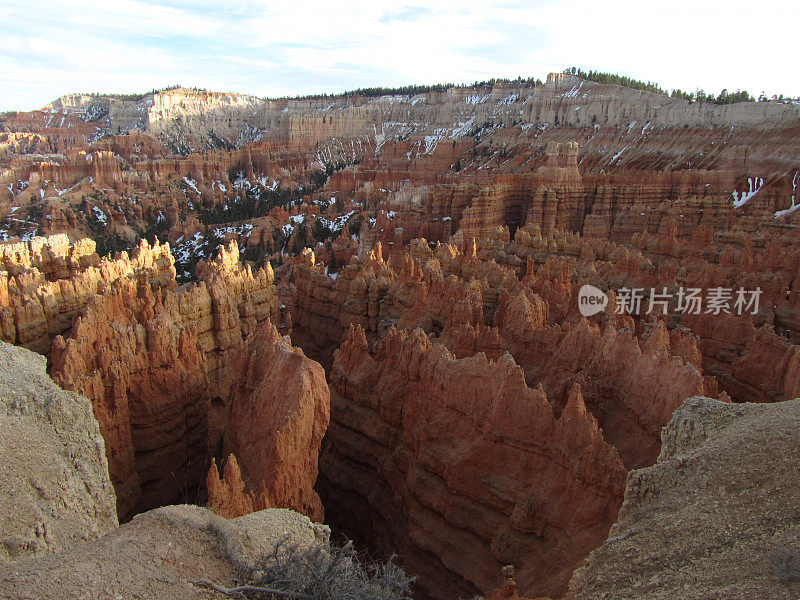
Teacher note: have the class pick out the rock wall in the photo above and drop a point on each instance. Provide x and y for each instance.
(461, 468)
(173, 380)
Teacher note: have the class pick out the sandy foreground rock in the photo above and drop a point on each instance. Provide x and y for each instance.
(716, 517)
(163, 553)
(54, 486)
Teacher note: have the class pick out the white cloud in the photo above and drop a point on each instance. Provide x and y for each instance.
(49, 48)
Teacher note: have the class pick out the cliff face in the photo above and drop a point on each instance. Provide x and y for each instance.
(280, 409)
(176, 383)
(461, 468)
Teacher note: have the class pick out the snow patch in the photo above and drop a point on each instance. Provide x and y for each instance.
(618, 154)
(794, 206)
(754, 186)
(477, 99)
(573, 93)
(192, 184)
(100, 215)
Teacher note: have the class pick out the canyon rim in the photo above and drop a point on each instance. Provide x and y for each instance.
(521, 338)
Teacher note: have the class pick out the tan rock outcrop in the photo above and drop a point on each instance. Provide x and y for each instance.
(164, 553)
(55, 491)
(714, 517)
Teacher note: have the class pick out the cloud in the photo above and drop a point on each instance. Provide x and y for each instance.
(408, 13)
(50, 47)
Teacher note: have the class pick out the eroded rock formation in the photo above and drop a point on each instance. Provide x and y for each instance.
(46, 282)
(461, 468)
(175, 377)
(522, 193)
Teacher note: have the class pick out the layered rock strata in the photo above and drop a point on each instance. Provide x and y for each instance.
(175, 378)
(461, 468)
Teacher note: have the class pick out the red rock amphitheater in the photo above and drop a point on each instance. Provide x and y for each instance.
(366, 308)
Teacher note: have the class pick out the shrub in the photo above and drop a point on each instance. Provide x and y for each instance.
(320, 572)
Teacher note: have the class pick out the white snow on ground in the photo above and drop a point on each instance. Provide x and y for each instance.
(787, 211)
(333, 276)
(241, 229)
(573, 93)
(477, 99)
(184, 250)
(100, 215)
(197, 247)
(754, 186)
(451, 133)
(618, 154)
(631, 126)
(264, 182)
(794, 206)
(647, 126)
(62, 192)
(288, 229)
(192, 184)
(380, 138)
(430, 143)
(337, 223)
(241, 181)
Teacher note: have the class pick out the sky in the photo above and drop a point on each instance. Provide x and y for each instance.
(293, 47)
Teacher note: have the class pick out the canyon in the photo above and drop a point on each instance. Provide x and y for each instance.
(368, 309)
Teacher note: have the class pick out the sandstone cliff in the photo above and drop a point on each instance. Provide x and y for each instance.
(461, 468)
(178, 381)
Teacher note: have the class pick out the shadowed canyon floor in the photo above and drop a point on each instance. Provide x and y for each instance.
(367, 310)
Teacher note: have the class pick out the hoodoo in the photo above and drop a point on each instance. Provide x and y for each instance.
(533, 339)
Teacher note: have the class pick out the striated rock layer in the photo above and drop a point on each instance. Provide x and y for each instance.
(461, 468)
(178, 377)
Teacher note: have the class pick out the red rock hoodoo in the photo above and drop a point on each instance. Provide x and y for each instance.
(404, 271)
